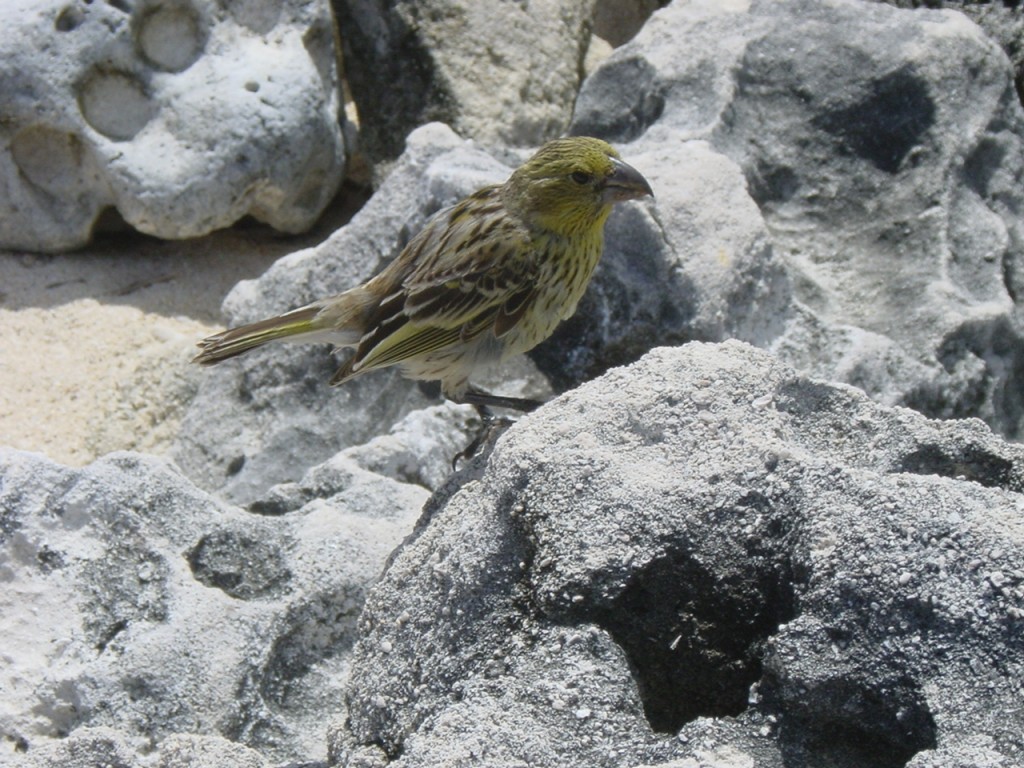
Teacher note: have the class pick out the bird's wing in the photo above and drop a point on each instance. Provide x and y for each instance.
(480, 259)
(466, 273)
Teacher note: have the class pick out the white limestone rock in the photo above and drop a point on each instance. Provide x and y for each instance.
(184, 115)
(136, 602)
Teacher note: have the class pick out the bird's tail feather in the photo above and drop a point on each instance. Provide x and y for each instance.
(298, 325)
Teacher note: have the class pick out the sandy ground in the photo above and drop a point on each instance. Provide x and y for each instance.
(95, 345)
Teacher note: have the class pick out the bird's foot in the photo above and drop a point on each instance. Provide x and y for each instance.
(490, 430)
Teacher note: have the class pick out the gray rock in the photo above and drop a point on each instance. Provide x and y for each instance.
(495, 71)
(421, 447)
(190, 751)
(1003, 22)
(94, 747)
(135, 601)
(705, 558)
(88, 748)
(883, 149)
(268, 416)
(183, 116)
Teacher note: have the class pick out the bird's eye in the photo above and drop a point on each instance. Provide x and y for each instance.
(580, 177)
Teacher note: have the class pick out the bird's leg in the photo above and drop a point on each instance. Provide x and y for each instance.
(488, 425)
(491, 426)
(481, 399)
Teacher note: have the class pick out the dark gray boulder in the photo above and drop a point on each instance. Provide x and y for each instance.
(706, 553)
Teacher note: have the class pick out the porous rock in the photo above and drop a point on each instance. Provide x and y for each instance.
(495, 71)
(184, 115)
(883, 150)
(706, 558)
(137, 602)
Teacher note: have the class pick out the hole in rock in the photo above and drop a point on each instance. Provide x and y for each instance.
(317, 630)
(695, 639)
(115, 104)
(68, 19)
(972, 463)
(50, 159)
(887, 122)
(240, 564)
(851, 723)
(171, 36)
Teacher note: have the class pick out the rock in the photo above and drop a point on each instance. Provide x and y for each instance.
(708, 558)
(421, 447)
(883, 150)
(268, 416)
(135, 601)
(182, 116)
(498, 72)
(92, 747)
(616, 21)
(188, 751)
(88, 748)
(1000, 21)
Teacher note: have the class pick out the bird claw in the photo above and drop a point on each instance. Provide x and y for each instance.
(490, 430)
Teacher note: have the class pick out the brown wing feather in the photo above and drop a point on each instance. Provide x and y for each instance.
(513, 310)
(472, 266)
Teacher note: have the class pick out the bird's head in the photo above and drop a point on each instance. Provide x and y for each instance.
(570, 185)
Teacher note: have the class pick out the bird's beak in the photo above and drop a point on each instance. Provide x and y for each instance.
(625, 183)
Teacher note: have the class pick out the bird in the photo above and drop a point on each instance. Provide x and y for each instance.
(486, 278)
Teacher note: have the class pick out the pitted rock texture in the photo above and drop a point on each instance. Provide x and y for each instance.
(1003, 22)
(183, 115)
(93, 747)
(883, 151)
(135, 601)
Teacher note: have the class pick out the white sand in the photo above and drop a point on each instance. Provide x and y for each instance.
(95, 345)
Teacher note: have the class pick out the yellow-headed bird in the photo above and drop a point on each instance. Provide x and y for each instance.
(490, 277)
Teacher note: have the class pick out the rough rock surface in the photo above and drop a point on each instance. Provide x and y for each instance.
(134, 601)
(267, 416)
(884, 150)
(495, 71)
(706, 558)
(183, 115)
(106, 747)
(1002, 21)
